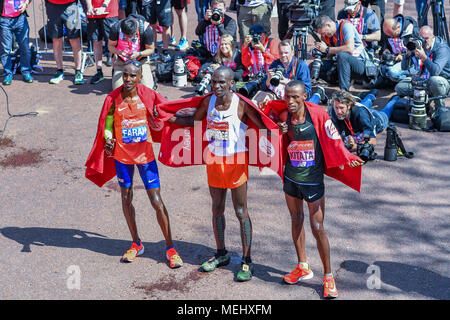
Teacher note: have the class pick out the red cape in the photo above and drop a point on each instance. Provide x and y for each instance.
(99, 167)
(335, 153)
(185, 146)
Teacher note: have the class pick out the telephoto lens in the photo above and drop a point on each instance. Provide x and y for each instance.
(391, 148)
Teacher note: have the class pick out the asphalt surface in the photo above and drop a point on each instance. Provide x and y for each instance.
(55, 224)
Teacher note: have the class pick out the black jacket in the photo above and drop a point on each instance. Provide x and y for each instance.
(228, 26)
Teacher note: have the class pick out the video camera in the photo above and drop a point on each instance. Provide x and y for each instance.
(366, 151)
(303, 12)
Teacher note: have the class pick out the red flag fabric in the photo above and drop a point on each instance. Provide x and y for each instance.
(99, 167)
(185, 146)
(335, 153)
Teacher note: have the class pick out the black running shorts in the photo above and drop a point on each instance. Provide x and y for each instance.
(309, 193)
(98, 29)
(159, 11)
(59, 15)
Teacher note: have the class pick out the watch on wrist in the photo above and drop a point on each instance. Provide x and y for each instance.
(327, 50)
(364, 37)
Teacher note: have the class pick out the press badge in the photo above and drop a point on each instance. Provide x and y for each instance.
(134, 135)
(302, 153)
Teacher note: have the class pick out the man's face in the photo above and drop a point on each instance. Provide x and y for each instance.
(392, 31)
(356, 10)
(286, 54)
(219, 6)
(131, 76)
(328, 30)
(428, 37)
(294, 98)
(221, 83)
(341, 110)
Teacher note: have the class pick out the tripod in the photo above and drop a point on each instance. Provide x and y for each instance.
(300, 35)
(439, 20)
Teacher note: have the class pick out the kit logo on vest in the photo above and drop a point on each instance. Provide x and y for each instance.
(331, 130)
(266, 146)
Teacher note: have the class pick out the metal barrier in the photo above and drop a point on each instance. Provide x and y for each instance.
(86, 56)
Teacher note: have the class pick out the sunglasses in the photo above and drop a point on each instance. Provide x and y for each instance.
(136, 63)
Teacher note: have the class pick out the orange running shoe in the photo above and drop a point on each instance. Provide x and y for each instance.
(329, 288)
(299, 273)
(133, 252)
(174, 258)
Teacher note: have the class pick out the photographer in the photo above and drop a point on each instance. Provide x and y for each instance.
(355, 122)
(131, 39)
(214, 25)
(287, 68)
(258, 50)
(364, 20)
(431, 57)
(340, 39)
(101, 15)
(13, 22)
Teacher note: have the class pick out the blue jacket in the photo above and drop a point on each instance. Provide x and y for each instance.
(301, 73)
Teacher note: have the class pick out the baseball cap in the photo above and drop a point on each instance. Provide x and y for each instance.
(350, 5)
(257, 28)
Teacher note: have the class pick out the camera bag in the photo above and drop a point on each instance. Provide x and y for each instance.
(400, 114)
(164, 71)
(441, 119)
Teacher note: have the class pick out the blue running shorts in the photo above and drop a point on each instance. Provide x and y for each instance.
(149, 174)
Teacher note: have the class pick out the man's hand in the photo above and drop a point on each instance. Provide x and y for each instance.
(283, 127)
(356, 163)
(247, 41)
(321, 46)
(420, 53)
(208, 14)
(398, 57)
(259, 46)
(134, 56)
(109, 147)
(90, 9)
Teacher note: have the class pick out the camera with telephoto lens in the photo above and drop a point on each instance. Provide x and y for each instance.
(256, 38)
(278, 75)
(216, 15)
(302, 13)
(250, 88)
(202, 88)
(366, 151)
(316, 64)
(414, 43)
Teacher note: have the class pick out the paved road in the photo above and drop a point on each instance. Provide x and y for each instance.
(54, 223)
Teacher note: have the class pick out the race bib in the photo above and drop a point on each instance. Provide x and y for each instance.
(217, 131)
(134, 135)
(302, 153)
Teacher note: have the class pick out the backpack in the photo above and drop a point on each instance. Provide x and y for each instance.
(193, 65)
(164, 71)
(441, 119)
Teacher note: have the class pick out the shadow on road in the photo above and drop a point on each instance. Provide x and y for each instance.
(406, 277)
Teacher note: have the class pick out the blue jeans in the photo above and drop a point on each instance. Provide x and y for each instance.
(19, 27)
(395, 72)
(200, 7)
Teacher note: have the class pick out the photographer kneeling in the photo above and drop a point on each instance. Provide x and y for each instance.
(357, 124)
(430, 56)
(340, 39)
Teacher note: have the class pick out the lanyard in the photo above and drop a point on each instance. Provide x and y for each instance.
(349, 126)
(292, 69)
(359, 26)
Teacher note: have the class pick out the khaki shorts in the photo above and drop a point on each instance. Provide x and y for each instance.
(147, 77)
(249, 16)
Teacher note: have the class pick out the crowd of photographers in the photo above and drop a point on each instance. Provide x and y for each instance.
(358, 45)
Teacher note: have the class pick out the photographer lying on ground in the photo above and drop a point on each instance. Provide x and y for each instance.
(340, 40)
(430, 55)
(215, 24)
(357, 124)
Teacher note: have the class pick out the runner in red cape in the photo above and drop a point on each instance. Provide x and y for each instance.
(123, 140)
(225, 119)
(313, 146)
